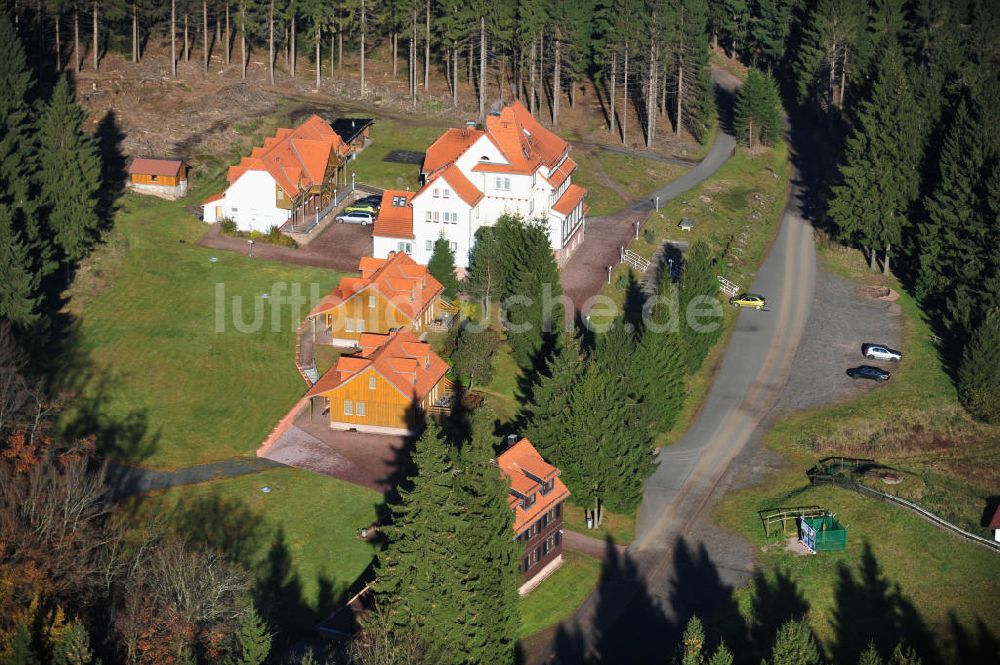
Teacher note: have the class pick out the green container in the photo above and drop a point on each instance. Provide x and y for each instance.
(823, 534)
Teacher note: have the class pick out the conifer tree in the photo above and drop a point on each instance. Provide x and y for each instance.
(955, 238)
(829, 35)
(19, 284)
(880, 172)
(757, 111)
(417, 580)
(722, 656)
(698, 288)
(659, 369)
(548, 416)
(442, 266)
(253, 640)
(72, 646)
(484, 276)
(16, 127)
(19, 651)
(70, 175)
(979, 374)
(488, 562)
(794, 645)
(870, 656)
(693, 101)
(534, 312)
(768, 31)
(904, 656)
(693, 643)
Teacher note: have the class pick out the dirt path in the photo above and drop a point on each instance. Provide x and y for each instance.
(338, 247)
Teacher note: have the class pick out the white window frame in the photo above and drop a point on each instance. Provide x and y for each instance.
(371, 301)
(435, 192)
(429, 245)
(349, 325)
(348, 407)
(360, 409)
(429, 216)
(372, 382)
(446, 193)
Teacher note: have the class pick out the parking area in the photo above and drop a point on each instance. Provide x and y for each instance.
(843, 317)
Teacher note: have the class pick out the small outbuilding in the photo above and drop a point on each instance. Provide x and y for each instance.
(994, 523)
(823, 533)
(166, 178)
(354, 132)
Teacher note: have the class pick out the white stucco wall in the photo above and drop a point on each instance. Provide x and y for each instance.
(250, 202)
(459, 232)
(382, 245)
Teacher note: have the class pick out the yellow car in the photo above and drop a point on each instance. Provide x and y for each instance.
(749, 300)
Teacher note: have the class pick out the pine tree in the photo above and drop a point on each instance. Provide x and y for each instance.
(693, 643)
(548, 416)
(698, 286)
(442, 266)
(722, 656)
(979, 375)
(489, 560)
(829, 35)
(473, 355)
(659, 369)
(70, 175)
(794, 645)
(417, 579)
(870, 656)
(693, 100)
(484, 276)
(19, 651)
(880, 172)
(955, 238)
(757, 111)
(253, 640)
(904, 656)
(16, 127)
(534, 312)
(19, 284)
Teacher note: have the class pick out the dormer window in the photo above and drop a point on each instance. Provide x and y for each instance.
(547, 487)
(528, 501)
(484, 158)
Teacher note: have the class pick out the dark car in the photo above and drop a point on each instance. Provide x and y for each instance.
(868, 372)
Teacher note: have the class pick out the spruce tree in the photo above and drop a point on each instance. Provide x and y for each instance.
(417, 578)
(757, 111)
(794, 645)
(19, 284)
(16, 127)
(721, 656)
(880, 172)
(693, 643)
(870, 656)
(831, 28)
(19, 651)
(488, 562)
(659, 368)
(979, 374)
(768, 31)
(902, 655)
(697, 104)
(956, 237)
(253, 640)
(698, 287)
(534, 311)
(72, 646)
(548, 417)
(484, 277)
(70, 174)
(442, 266)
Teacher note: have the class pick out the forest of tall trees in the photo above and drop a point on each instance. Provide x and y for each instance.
(656, 70)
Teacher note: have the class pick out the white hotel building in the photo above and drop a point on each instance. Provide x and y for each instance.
(471, 177)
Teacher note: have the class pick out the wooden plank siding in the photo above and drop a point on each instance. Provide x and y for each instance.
(376, 316)
(162, 180)
(383, 404)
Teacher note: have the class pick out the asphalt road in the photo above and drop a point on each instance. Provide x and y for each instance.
(630, 613)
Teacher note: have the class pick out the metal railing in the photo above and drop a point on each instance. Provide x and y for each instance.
(727, 287)
(633, 260)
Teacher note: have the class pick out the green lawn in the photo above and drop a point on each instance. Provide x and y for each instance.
(621, 528)
(299, 539)
(614, 181)
(557, 598)
(388, 135)
(912, 423)
(169, 380)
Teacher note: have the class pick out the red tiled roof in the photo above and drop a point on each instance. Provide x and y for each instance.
(558, 177)
(995, 520)
(523, 466)
(549, 145)
(146, 166)
(449, 147)
(401, 280)
(403, 360)
(569, 200)
(465, 189)
(213, 198)
(395, 221)
(295, 158)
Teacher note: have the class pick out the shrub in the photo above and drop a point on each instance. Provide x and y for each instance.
(228, 226)
(649, 236)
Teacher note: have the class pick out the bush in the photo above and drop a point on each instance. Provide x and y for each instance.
(228, 226)
(649, 236)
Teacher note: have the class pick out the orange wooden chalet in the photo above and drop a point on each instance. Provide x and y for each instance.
(536, 497)
(166, 178)
(384, 388)
(390, 294)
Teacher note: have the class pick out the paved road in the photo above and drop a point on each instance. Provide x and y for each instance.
(754, 370)
(586, 271)
(128, 481)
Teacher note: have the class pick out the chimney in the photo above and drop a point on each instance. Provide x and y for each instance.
(512, 439)
(470, 124)
(391, 254)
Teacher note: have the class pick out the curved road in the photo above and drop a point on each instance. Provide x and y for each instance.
(611, 626)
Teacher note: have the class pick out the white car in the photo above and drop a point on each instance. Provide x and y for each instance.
(881, 352)
(356, 217)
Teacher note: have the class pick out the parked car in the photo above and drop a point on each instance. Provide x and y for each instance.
(374, 199)
(356, 217)
(881, 352)
(362, 206)
(749, 300)
(868, 372)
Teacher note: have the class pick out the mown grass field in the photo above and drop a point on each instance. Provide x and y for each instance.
(185, 361)
(299, 539)
(614, 181)
(557, 598)
(914, 424)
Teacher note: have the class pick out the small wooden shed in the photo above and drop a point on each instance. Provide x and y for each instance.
(166, 178)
